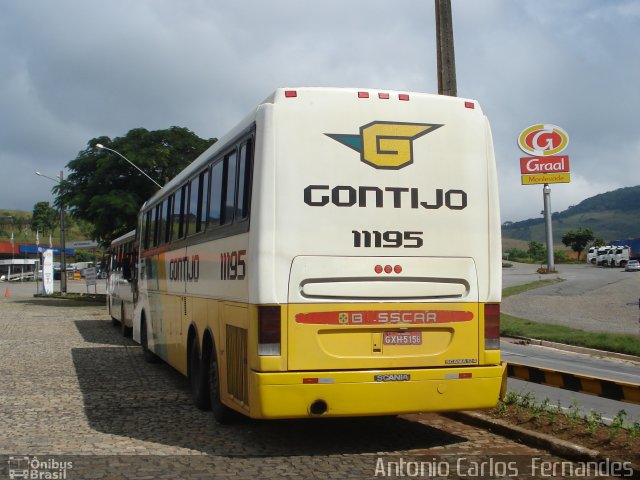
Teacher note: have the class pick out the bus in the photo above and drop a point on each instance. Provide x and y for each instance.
(121, 281)
(337, 253)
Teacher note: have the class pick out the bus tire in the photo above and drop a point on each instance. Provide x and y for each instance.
(126, 331)
(223, 414)
(149, 356)
(198, 376)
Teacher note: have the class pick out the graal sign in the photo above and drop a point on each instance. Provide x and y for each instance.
(545, 142)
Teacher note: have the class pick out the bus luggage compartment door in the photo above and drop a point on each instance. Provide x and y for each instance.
(382, 312)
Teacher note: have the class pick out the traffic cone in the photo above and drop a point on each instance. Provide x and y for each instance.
(6, 292)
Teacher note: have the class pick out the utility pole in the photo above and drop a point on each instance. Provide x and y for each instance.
(444, 44)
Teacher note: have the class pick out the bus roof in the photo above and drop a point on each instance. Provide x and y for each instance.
(312, 94)
(123, 238)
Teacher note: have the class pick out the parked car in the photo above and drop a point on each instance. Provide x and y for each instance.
(632, 266)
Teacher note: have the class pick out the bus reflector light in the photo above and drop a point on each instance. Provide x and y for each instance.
(383, 96)
(470, 105)
(492, 326)
(269, 330)
(404, 97)
(290, 93)
(388, 269)
(363, 94)
(316, 380)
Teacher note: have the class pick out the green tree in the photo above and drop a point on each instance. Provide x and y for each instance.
(44, 218)
(106, 191)
(578, 239)
(537, 251)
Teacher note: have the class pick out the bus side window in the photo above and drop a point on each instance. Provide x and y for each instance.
(147, 229)
(198, 202)
(176, 215)
(162, 208)
(192, 207)
(156, 225)
(215, 194)
(244, 180)
(126, 267)
(166, 232)
(230, 190)
(203, 199)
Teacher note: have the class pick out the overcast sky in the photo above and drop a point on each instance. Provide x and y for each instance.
(72, 70)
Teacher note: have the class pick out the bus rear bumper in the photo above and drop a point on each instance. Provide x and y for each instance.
(374, 392)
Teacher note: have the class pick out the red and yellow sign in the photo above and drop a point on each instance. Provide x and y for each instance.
(543, 140)
(537, 165)
(563, 177)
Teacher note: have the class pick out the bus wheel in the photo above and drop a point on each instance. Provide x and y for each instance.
(126, 331)
(198, 375)
(149, 356)
(221, 412)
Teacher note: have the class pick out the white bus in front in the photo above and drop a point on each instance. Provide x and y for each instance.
(337, 253)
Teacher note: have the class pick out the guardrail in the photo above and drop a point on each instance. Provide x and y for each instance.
(601, 387)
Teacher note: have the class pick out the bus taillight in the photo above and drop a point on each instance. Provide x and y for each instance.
(492, 326)
(269, 330)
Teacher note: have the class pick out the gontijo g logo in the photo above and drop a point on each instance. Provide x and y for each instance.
(385, 145)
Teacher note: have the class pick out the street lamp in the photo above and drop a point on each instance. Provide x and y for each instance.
(102, 147)
(63, 246)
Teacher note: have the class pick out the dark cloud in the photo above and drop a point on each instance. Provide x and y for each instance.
(73, 70)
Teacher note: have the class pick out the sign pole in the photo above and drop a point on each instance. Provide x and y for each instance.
(546, 194)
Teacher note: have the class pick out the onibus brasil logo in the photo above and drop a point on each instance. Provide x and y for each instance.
(385, 145)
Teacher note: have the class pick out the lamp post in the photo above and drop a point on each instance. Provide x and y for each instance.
(63, 246)
(102, 147)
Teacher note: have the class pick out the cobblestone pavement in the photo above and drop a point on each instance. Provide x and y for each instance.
(75, 393)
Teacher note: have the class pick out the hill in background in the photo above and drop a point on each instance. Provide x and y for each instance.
(612, 216)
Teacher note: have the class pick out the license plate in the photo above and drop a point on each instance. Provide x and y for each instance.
(402, 338)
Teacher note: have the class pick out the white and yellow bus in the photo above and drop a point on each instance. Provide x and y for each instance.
(336, 254)
(121, 280)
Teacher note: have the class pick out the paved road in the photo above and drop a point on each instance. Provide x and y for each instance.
(589, 298)
(71, 385)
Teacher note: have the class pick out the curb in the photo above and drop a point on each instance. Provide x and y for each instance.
(576, 382)
(555, 446)
(89, 298)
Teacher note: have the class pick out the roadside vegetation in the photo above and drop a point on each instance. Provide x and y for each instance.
(610, 342)
(618, 438)
(537, 253)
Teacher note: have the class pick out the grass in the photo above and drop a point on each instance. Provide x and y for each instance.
(610, 342)
(509, 291)
(518, 327)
